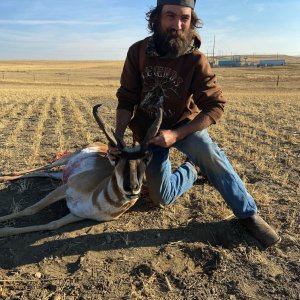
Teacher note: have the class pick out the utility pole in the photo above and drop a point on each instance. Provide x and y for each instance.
(213, 61)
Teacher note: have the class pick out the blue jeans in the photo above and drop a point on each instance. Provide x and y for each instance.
(165, 187)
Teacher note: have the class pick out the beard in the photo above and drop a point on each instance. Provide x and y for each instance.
(171, 43)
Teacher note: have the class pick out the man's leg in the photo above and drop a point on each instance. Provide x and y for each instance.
(163, 185)
(201, 150)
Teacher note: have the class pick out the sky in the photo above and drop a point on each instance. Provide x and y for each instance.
(103, 30)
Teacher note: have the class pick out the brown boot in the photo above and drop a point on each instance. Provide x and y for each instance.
(261, 230)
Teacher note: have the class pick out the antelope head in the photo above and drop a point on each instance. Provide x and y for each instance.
(131, 163)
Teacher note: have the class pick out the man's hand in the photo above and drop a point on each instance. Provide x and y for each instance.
(165, 138)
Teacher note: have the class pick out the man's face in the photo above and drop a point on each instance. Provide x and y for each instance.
(176, 18)
(174, 34)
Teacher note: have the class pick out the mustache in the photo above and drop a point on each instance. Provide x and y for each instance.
(173, 33)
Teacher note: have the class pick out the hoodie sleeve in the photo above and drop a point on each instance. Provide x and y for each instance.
(207, 94)
(130, 90)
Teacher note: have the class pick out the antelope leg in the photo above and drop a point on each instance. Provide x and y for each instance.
(60, 162)
(56, 195)
(54, 175)
(68, 219)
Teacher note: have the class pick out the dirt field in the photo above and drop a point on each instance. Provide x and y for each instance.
(189, 250)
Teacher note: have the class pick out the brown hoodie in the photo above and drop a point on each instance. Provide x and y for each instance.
(182, 86)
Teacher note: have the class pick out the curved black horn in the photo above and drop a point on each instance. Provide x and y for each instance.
(153, 130)
(108, 131)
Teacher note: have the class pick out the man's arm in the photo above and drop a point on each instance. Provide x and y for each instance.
(167, 138)
(209, 99)
(123, 117)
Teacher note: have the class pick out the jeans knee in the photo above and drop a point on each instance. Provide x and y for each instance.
(209, 158)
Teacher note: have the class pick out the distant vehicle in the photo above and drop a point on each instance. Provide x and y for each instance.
(271, 62)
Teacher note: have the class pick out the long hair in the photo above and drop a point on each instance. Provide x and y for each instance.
(153, 18)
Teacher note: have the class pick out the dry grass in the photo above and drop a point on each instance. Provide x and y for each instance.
(72, 73)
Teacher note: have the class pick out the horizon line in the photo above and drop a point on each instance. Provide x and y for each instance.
(209, 56)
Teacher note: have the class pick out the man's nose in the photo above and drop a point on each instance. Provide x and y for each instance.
(178, 25)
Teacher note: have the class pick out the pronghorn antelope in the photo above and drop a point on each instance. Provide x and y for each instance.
(94, 187)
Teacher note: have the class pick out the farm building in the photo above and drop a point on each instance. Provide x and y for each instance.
(235, 61)
(271, 62)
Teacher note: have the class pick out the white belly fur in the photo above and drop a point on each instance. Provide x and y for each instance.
(81, 205)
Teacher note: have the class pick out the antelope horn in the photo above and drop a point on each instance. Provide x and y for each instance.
(153, 130)
(108, 131)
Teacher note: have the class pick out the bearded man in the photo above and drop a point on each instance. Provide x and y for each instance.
(167, 70)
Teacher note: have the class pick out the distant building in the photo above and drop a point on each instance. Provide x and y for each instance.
(271, 62)
(234, 61)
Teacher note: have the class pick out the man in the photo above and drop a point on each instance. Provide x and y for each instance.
(167, 70)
